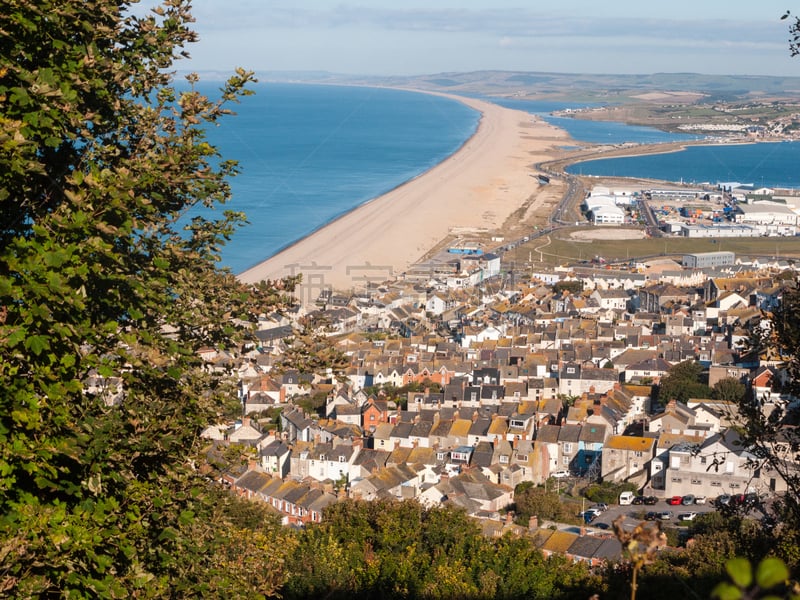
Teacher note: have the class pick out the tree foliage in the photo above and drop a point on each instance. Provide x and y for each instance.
(105, 297)
(729, 389)
(389, 549)
(683, 381)
(539, 502)
(794, 33)
(769, 425)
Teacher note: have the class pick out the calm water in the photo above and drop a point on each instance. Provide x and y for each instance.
(595, 132)
(765, 164)
(309, 153)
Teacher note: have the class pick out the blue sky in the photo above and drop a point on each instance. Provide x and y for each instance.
(413, 37)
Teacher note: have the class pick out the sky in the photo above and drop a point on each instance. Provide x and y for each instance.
(416, 37)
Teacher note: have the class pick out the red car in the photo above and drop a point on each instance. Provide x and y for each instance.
(675, 500)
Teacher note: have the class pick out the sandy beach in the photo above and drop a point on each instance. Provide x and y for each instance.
(479, 186)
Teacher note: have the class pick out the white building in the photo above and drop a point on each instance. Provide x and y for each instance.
(770, 219)
(702, 260)
(608, 215)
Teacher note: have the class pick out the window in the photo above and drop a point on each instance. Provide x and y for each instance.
(342, 459)
(522, 457)
(567, 448)
(703, 460)
(696, 482)
(565, 460)
(638, 454)
(716, 483)
(503, 459)
(676, 479)
(735, 485)
(570, 369)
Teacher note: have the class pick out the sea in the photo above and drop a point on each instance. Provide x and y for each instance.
(310, 153)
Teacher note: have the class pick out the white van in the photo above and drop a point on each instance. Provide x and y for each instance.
(626, 498)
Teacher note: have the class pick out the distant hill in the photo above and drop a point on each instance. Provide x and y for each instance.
(606, 88)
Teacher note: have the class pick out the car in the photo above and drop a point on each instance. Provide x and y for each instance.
(603, 526)
(651, 516)
(723, 500)
(751, 499)
(687, 516)
(638, 500)
(665, 515)
(601, 506)
(687, 499)
(650, 500)
(590, 515)
(675, 500)
(699, 499)
(560, 474)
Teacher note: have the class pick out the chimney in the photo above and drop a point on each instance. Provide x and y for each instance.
(533, 523)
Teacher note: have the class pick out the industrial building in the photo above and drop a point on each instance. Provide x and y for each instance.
(703, 260)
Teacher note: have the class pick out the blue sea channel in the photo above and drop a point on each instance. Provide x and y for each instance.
(310, 153)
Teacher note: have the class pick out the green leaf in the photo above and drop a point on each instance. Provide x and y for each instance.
(740, 571)
(37, 344)
(771, 572)
(726, 591)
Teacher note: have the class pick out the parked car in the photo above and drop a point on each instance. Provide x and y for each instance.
(675, 500)
(687, 516)
(560, 474)
(651, 516)
(650, 500)
(687, 499)
(723, 500)
(638, 500)
(665, 515)
(699, 499)
(603, 526)
(601, 506)
(590, 515)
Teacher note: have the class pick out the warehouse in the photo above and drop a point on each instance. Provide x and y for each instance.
(703, 260)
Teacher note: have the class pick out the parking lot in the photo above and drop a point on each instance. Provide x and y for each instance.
(635, 513)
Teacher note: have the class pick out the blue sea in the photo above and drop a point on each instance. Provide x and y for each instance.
(594, 132)
(772, 164)
(310, 153)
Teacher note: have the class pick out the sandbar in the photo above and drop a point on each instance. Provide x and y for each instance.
(479, 186)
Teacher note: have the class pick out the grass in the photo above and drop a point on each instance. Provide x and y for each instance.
(563, 250)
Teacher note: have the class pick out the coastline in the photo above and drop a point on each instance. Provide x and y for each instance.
(479, 186)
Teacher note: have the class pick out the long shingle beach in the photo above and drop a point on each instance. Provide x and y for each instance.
(479, 186)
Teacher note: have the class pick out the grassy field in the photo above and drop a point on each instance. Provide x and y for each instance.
(562, 250)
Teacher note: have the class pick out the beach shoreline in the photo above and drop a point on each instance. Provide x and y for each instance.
(480, 185)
